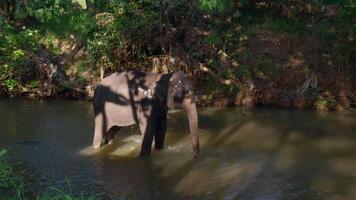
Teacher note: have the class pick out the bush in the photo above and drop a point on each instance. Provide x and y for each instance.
(216, 6)
(13, 47)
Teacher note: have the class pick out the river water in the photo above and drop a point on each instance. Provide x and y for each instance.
(264, 154)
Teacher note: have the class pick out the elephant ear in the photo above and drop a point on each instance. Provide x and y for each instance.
(158, 90)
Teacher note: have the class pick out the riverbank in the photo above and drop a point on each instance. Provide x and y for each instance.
(292, 55)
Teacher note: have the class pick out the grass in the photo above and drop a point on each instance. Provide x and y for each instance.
(213, 40)
(285, 25)
(59, 194)
(13, 186)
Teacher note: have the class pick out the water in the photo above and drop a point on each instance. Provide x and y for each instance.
(260, 155)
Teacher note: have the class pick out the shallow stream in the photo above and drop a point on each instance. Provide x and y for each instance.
(264, 154)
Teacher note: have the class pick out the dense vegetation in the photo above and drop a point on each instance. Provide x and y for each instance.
(290, 53)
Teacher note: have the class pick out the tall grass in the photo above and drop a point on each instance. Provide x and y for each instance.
(13, 186)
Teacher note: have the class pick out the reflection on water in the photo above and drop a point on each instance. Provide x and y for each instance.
(263, 154)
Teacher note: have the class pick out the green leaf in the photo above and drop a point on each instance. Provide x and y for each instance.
(2, 152)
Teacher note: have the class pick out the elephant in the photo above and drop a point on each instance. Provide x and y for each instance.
(143, 98)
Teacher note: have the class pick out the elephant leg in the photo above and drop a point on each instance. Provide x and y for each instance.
(99, 131)
(161, 130)
(109, 136)
(147, 127)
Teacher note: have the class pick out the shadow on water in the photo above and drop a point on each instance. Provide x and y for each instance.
(289, 160)
(315, 150)
(260, 154)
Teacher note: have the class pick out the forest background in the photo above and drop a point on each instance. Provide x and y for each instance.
(287, 54)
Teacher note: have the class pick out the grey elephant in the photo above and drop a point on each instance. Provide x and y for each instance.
(133, 97)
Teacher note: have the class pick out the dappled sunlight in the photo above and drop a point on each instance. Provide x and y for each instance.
(209, 179)
(127, 146)
(240, 156)
(252, 135)
(130, 146)
(339, 146)
(287, 157)
(88, 151)
(344, 166)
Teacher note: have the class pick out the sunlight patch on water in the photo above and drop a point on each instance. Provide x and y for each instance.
(87, 151)
(344, 167)
(213, 175)
(128, 146)
(334, 145)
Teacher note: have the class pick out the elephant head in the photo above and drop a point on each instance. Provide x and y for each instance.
(179, 94)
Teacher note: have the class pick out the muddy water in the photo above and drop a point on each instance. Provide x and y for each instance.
(264, 154)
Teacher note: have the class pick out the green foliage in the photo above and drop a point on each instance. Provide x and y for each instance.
(62, 17)
(285, 25)
(243, 72)
(326, 31)
(33, 84)
(215, 6)
(126, 26)
(128, 35)
(213, 40)
(101, 43)
(324, 103)
(264, 65)
(12, 84)
(347, 21)
(11, 184)
(330, 2)
(78, 23)
(49, 41)
(59, 194)
(13, 47)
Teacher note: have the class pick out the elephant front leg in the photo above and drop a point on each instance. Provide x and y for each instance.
(99, 130)
(161, 130)
(147, 127)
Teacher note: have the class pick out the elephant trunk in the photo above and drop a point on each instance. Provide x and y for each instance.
(191, 109)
